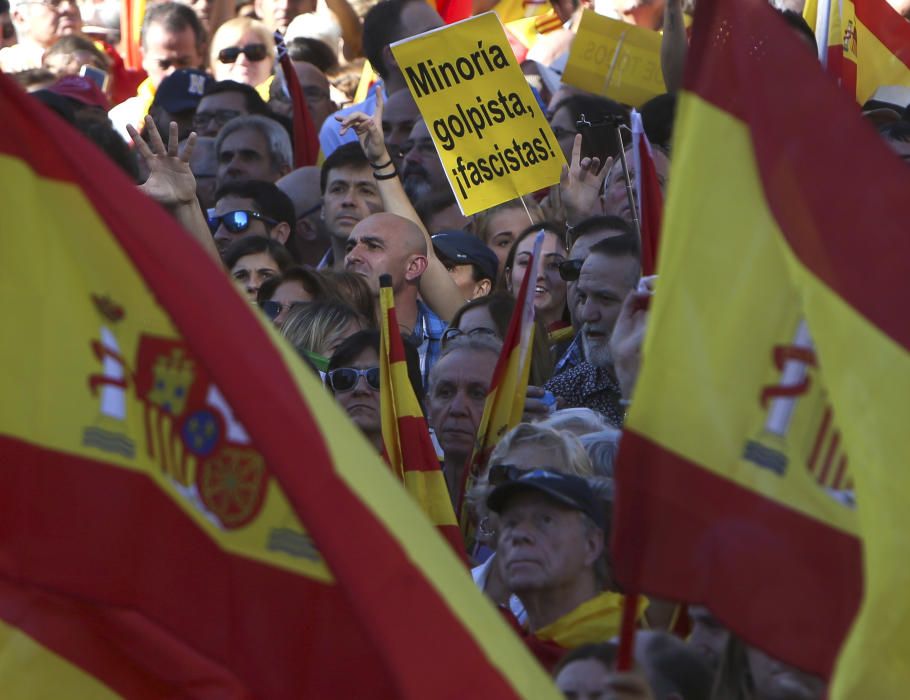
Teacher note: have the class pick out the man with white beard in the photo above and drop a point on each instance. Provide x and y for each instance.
(609, 273)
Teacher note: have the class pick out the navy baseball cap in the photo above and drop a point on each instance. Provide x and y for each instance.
(182, 90)
(567, 489)
(461, 248)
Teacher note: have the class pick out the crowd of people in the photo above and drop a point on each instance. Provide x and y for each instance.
(205, 129)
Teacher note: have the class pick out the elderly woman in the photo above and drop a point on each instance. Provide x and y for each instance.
(243, 50)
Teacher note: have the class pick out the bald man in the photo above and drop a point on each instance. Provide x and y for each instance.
(389, 244)
(310, 237)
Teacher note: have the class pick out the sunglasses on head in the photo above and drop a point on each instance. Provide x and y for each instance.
(346, 378)
(254, 52)
(237, 221)
(569, 270)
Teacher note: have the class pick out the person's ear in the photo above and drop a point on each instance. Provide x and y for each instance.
(594, 545)
(482, 288)
(281, 232)
(415, 267)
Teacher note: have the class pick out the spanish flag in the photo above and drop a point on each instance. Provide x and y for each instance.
(876, 46)
(306, 136)
(778, 337)
(649, 198)
(184, 514)
(132, 12)
(824, 17)
(504, 404)
(405, 434)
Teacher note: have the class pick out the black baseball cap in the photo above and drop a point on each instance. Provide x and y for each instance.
(567, 489)
(182, 90)
(461, 248)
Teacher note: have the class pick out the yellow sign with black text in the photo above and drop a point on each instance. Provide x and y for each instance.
(491, 135)
(616, 60)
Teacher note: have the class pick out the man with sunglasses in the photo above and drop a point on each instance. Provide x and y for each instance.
(251, 208)
(171, 38)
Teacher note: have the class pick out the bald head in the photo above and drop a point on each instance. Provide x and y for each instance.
(386, 243)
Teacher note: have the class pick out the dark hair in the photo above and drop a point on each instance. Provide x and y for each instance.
(174, 17)
(257, 244)
(382, 26)
(799, 23)
(315, 51)
(557, 230)
(353, 290)
(346, 155)
(74, 42)
(501, 306)
(351, 347)
(895, 131)
(103, 135)
(605, 653)
(269, 199)
(254, 103)
(609, 222)
(599, 141)
(618, 246)
(677, 668)
(311, 281)
(657, 116)
(33, 76)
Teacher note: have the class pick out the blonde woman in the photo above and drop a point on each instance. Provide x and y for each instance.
(243, 50)
(499, 226)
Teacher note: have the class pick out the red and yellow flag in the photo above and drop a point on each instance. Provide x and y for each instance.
(778, 346)
(649, 198)
(184, 514)
(504, 404)
(132, 12)
(405, 434)
(824, 17)
(876, 47)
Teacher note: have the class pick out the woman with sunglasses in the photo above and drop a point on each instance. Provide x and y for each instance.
(353, 378)
(243, 50)
(295, 285)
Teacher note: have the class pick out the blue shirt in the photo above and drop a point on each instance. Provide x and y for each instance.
(330, 137)
(427, 337)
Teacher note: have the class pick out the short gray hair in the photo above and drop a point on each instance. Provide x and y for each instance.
(475, 343)
(280, 152)
(602, 448)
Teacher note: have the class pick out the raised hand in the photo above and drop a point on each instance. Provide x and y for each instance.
(580, 185)
(369, 131)
(170, 182)
(628, 335)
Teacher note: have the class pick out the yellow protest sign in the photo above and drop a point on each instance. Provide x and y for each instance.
(616, 60)
(491, 135)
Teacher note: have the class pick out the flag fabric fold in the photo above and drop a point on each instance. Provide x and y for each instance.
(648, 196)
(185, 514)
(777, 340)
(406, 440)
(504, 404)
(306, 136)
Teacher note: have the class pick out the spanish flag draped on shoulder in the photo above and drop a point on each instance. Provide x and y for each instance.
(776, 370)
(405, 435)
(185, 514)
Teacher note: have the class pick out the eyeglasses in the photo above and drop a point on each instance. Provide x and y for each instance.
(254, 52)
(220, 117)
(570, 270)
(272, 309)
(451, 333)
(237, 221)
(345, 378)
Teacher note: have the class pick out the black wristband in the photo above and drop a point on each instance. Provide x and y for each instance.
(387, 176)
(384, 165)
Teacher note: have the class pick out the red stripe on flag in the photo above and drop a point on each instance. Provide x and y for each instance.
(888, 27)
(651, 205)
(839, 475)
(819, 439)
(829, 457)
(377, 577)
(306, 137)
(799, 169)
(420, 455)
(687, 533)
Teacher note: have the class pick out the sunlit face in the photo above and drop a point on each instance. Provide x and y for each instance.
(251, 271)
(581, 248)
(167, 51)
(549, 287)
(502, 230)
(46, 22)
(223, 237)
(242, 70)
(602, 286)
(244, 155)
(585, 679)
(351, 195)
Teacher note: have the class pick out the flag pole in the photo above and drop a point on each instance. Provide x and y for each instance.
(627, 633)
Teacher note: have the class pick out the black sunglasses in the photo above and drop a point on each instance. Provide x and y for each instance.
(346, 378)
(569, 270)
(237, 221)
(451, 333)
(254, 52)
(272, 308)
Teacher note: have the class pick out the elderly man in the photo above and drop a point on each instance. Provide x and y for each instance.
(253, 148)
(456, 393)
(38, 25)
(551, 539)
(389, 244)
(609, 273)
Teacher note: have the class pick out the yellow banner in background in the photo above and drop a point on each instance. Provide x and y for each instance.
(615, 60)
(491, 135)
